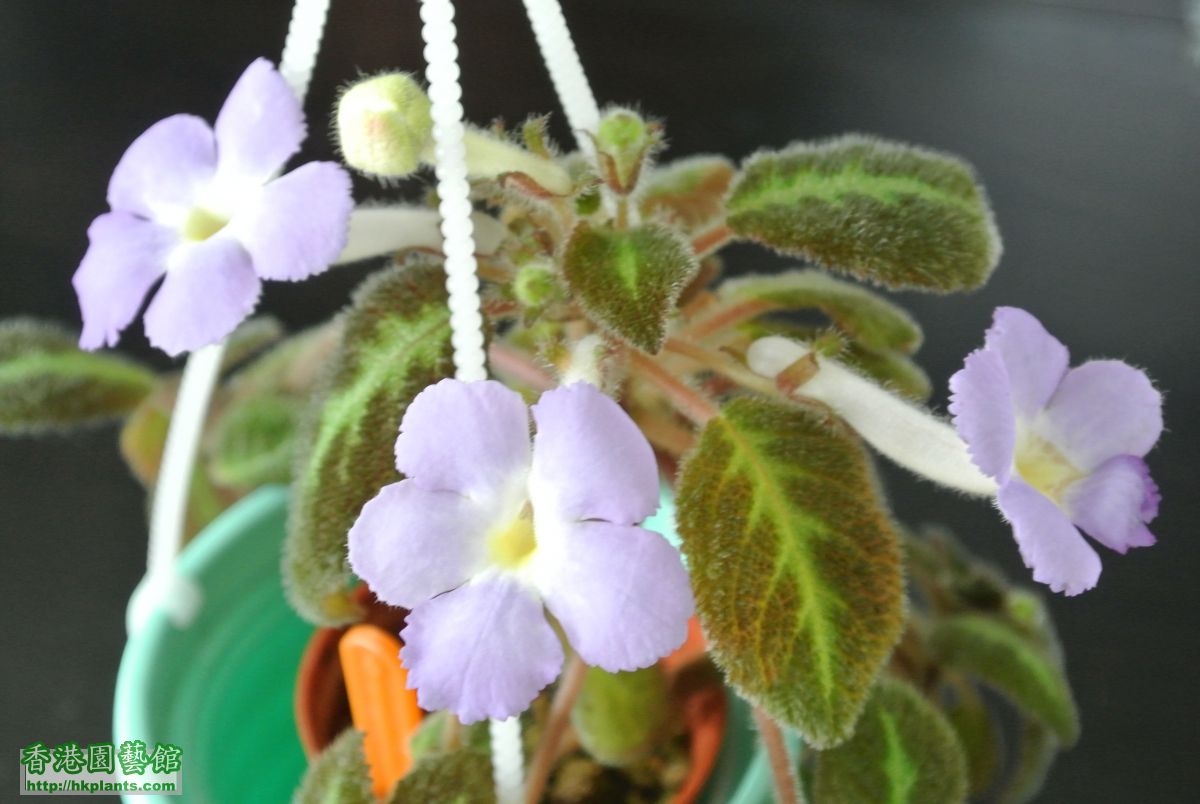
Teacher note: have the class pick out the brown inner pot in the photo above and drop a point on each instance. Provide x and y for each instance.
(322, 709)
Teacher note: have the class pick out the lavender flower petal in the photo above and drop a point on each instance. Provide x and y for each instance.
(1034, 359)
(472, 438)
(483, 650)
(982, 406)
(260, 126)
(1102, 409)
(590, 461)
(1113, 503)
(161, 172)
(298, 225)
(125, 256)
(209, 288)
(620, 592)
(1049, 543)
(410, 544)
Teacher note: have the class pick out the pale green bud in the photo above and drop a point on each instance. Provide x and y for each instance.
(535, 284)
(623, 143)
(383, 125)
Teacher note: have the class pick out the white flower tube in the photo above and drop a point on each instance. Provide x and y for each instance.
(905, 433)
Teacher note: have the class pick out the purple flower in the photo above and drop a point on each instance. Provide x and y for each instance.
(1065, 447)
(201, 206)
(485, 531)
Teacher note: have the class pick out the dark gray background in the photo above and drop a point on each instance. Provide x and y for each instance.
(1082, 117)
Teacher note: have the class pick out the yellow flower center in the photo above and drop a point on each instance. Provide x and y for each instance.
(512, 546)
(1041, 465)
(200, 224)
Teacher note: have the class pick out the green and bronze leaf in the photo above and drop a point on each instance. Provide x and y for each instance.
(897, 215)
(795, 563)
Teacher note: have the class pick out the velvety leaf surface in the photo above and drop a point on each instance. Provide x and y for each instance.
(1036, 750)
(863, 315)
(900, 216)
(629, 280)
(1014, 663)
(48, 383)
(460, 777)
(978, 734)
(891, 369)
(252, 442)
(689, 192)
(339, 775)
(395, 342)
(903, 752)
(795, 563)
(618, 715)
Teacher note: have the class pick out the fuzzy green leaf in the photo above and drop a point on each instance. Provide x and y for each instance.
(903, 752)
(900, 216)
(795, 564)
(688, 192)
(460, 777)
(629, 280)
(251, 337)
(1036, 751)
(339, 775)
(395, 342)
(617, 716)
(48, 383)
(979, 735)
(1000, 655)
(862, 314)
(253, 440)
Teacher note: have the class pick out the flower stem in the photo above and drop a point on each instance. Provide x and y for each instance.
(690, 402)
(721, 364)
(786, 789)
(518, 365)
(556, 725)
(905, 433)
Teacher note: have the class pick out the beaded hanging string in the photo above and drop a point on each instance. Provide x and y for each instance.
(163, 588)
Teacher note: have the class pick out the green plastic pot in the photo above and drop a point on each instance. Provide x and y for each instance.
(222, 688)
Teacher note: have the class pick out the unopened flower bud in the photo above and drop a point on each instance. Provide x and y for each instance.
(623, 142)
(535, 285)
(383, 125)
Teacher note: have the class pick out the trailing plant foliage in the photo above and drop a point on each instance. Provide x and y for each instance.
(395, 342)
(606, 268)
(795, 562)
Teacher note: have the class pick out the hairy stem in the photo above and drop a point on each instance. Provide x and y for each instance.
(506, 359)
(786, 789)
(688, 400)
(556, 725)
(721, 364)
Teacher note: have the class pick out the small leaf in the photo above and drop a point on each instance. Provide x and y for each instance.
(1036, 751)
(48, 383)
(251, 337)
(460, 777)
(395, 342)
(252, 442)
(688, 192)
(431, 736)
(795, 563)
(903, 752)
(901, 216)
(338, 775)
(618, 716)
(863, 315)
(629, 279)
(999, 655)
(978, 733)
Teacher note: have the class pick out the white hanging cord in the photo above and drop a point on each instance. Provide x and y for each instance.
(566, 71)
(462, 285)
(454, 203)
(163, 588)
